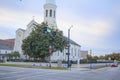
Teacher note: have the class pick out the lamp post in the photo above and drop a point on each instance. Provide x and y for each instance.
(90, 59)
(69, 46)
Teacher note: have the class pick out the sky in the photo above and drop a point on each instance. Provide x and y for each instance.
(96, 23)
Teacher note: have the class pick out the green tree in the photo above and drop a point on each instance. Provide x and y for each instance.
(101, 57)
(88, 57)
(113, 56)
(95, 57)
(26, 47)
(9, 56)
(16, 54)
(12, 55)
(37, 44)
(107, 56)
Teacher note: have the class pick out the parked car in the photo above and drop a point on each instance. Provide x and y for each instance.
(114, 65)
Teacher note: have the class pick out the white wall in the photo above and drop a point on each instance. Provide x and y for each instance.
(20, 36)
(18, 41)
(74, 54)
(4, 51)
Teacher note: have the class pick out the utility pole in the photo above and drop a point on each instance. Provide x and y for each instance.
(50, 52)
(69, 46)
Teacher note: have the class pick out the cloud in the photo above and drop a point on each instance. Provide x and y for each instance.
(14, 20)
(116, 10)
(5, 36)
(86, 32)
(18, 19)
(97, 27)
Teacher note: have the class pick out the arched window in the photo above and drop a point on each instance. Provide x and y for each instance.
(75, 51)
(46, 13)
(54, 14)
(5, 52)
(72, 52)
(78, 53)
(50, 13)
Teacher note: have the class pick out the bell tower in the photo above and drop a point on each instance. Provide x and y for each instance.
(50, 13)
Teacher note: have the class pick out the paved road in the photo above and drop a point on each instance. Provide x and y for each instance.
(15, 73)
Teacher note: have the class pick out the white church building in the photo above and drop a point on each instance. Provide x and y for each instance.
(50, 18)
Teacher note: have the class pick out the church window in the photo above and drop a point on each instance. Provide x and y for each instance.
(58, 53)
(75, 52)
(78, 52)
(5, 52)
(72, 51)
(63, 53)
(50, 13)
(19, 34)
(46, 13)
(54, 14)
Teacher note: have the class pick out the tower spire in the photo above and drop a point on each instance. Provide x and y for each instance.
(50, 13)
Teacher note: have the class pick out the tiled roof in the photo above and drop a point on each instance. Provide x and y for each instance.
(7, 42)
(72, 42)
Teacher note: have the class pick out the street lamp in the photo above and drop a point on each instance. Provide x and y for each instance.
(69, 46)
(90, 59)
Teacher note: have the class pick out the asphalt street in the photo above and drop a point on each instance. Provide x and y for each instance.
(15, 73)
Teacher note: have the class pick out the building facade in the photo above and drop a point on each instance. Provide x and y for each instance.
(83, 54)
(4, 50)
(6, 47)
(50, 19)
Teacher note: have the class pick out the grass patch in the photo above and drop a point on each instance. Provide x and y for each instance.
(30, 66)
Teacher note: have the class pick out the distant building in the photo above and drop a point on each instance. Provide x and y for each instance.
(50, 19)
(83, 54)
(7, 42)
(6, 47)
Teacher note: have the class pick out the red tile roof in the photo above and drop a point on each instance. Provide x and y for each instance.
(7, 42)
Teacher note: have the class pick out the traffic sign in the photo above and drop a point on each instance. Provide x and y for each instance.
(50, 51)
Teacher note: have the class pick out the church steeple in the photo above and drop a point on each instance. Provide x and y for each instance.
(50, 1)
(50, 13)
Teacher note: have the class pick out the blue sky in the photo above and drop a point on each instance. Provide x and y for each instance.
(96, 22)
